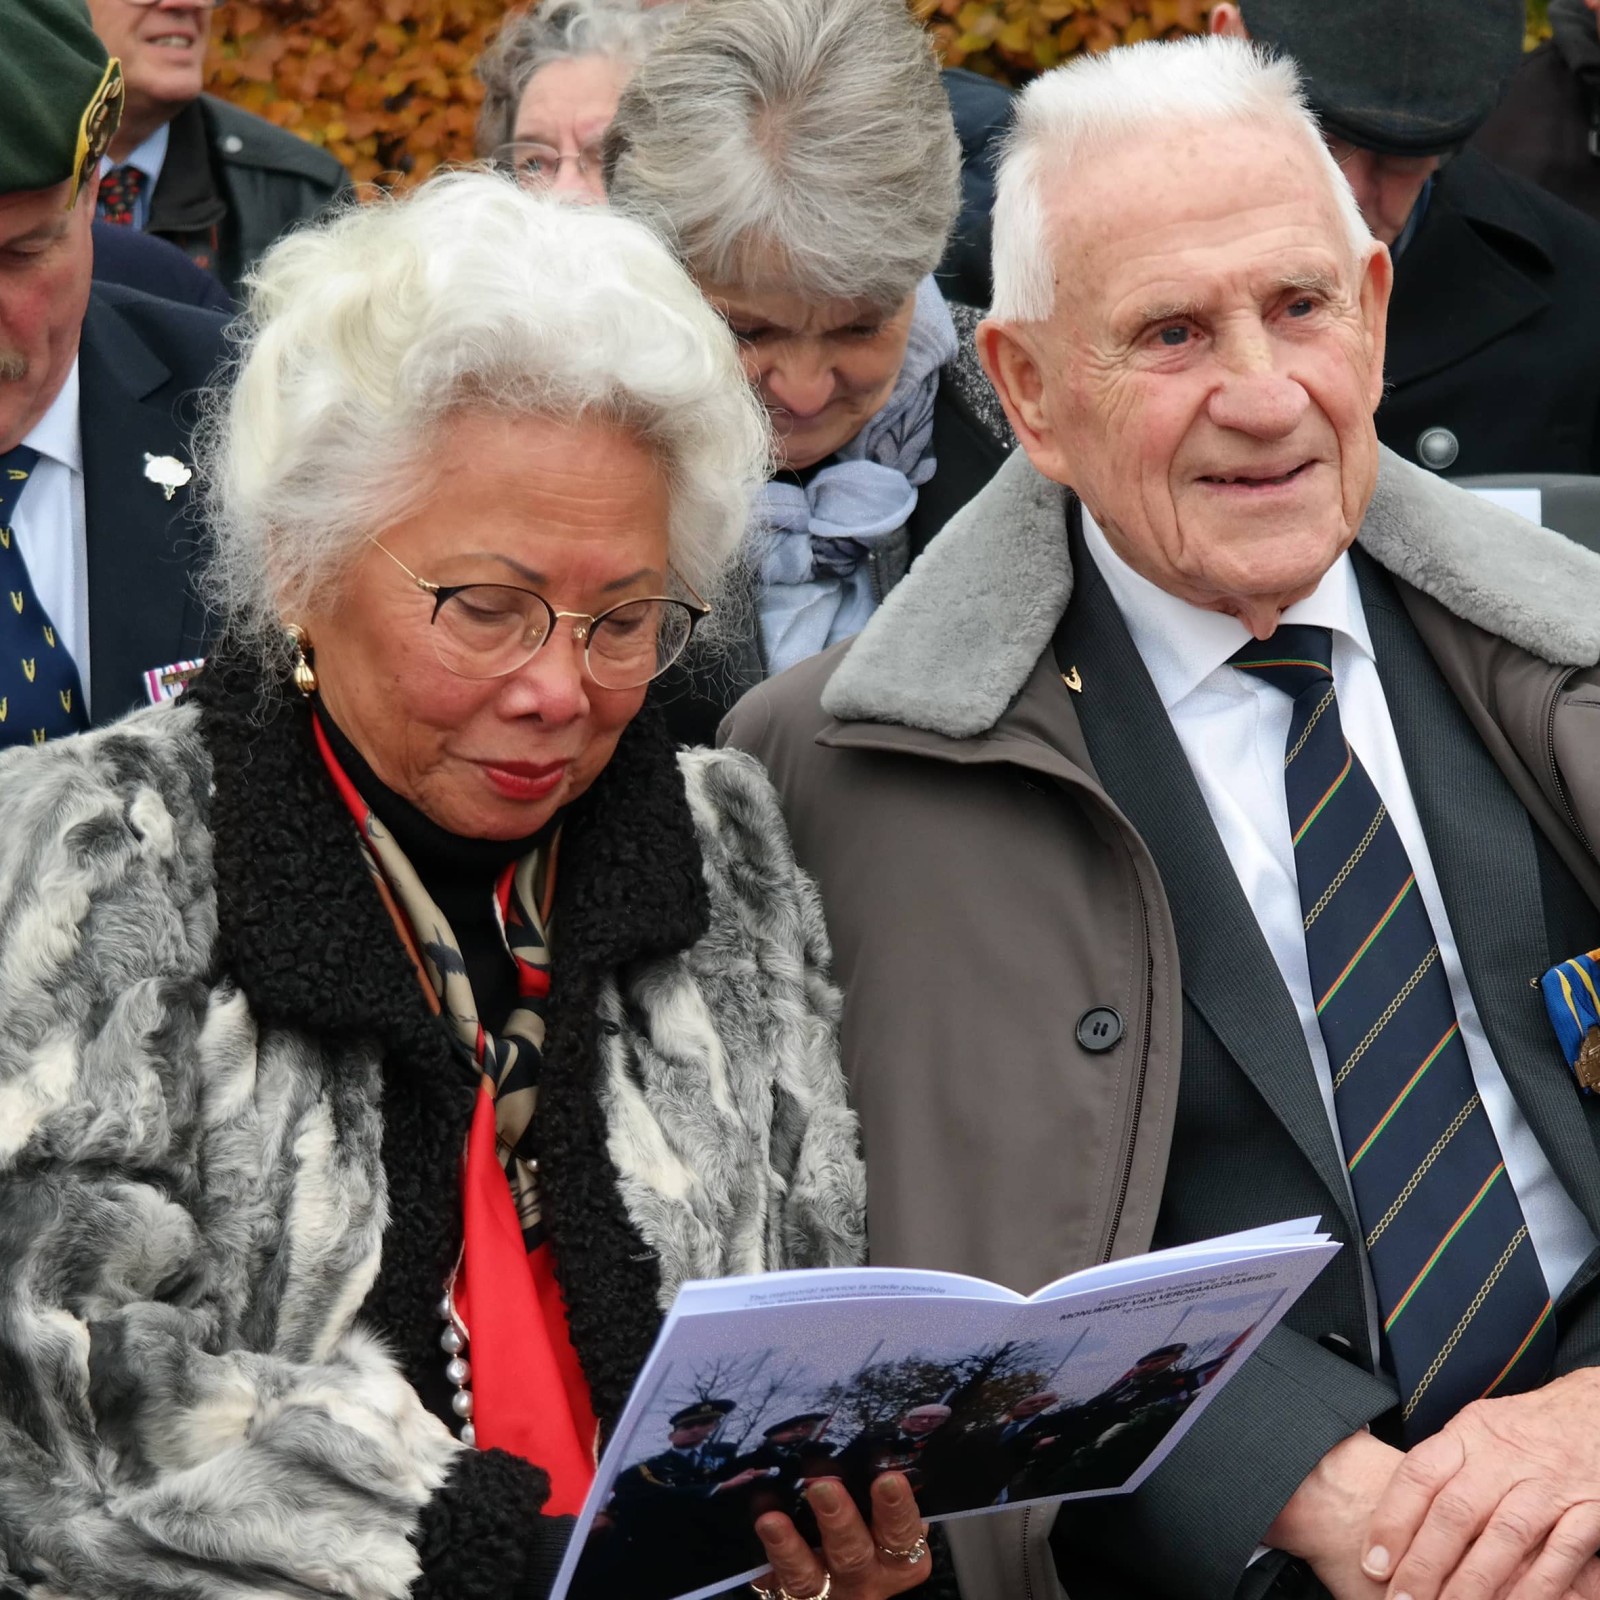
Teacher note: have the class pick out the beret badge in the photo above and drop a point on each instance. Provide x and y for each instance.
(97, 127)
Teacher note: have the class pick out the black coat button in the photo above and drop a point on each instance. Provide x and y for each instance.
(1099, 1029)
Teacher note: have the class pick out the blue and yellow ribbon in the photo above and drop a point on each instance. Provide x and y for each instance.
(1572, 997)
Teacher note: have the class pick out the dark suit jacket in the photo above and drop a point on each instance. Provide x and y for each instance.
(152, 266)
(1494, 329)
(141, 362)
(1252, 1138)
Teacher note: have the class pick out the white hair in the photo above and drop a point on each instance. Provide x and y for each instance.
(1099, 103)
(364, 336)
(810, 140)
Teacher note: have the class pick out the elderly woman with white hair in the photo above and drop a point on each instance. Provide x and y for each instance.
(551, 77)
(799, 156)
(391, 1026)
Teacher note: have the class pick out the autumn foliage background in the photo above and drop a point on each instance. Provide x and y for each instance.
(387, 85)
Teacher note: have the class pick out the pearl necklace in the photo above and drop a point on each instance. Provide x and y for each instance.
(458, 1369)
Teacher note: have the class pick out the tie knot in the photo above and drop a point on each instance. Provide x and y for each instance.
(1294, 659)
(120, 190)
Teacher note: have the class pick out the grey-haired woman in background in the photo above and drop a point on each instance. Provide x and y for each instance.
(799, 156)
(551, 78)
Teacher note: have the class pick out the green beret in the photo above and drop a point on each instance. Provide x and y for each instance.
(60, 95)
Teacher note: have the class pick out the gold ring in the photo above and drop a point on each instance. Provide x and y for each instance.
(780, 1593)
(912, 1553)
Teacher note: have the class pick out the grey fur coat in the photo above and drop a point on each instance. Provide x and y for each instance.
(229, 1130)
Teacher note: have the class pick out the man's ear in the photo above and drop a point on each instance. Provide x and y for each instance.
(1226, 20)
(1376, 283)
(1011, 357)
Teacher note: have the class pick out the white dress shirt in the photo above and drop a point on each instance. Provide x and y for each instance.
(149, 158)
(50, 526)
(1233, 727)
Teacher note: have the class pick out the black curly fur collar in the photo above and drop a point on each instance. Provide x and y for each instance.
(305, 936)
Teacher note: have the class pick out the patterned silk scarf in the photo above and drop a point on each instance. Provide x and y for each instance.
(523, 1363)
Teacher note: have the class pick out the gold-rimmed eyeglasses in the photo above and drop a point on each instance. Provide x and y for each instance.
(490, 630)
(535, 165)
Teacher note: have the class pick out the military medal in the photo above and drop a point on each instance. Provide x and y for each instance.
(1588, 1066)
(1572, 997)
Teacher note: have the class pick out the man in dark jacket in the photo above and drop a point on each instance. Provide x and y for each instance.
(95, 550)
(1494, 328)
(1548, 126)
(217, 181)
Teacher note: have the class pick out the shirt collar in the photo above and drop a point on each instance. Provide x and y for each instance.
(57, 433)
(148, 157)
(1182, 645)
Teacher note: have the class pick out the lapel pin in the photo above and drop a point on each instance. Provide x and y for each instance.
(1072, 680)
(167, 471)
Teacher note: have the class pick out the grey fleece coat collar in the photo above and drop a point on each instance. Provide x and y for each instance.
(956, 640)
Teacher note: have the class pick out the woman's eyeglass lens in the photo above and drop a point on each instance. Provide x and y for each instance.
(487, 630)
(536, 166)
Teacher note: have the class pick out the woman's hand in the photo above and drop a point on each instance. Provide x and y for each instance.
(857, 1562)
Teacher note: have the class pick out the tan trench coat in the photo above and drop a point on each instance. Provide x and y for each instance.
(977, 919)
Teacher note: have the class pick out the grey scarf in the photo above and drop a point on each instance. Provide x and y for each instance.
(813, 543)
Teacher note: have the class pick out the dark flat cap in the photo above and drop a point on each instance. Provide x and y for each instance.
(60, 95)
(1407, 77)
(700, 1411)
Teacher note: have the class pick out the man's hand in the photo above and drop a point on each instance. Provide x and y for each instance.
(1504, 1500)
(1324, 1519)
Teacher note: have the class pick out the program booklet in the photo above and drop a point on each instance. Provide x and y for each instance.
(984, 1398)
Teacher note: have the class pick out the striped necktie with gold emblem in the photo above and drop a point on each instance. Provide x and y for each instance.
(1462, 1298)
(40, 696)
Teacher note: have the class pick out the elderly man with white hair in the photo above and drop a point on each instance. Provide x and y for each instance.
(1194, 824)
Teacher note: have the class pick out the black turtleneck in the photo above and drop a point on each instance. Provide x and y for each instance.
(458, 873)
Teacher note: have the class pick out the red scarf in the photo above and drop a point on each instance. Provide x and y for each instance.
(529, 1393)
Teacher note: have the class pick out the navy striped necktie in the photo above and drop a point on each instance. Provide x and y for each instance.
(40, 696)
(1462, 1298)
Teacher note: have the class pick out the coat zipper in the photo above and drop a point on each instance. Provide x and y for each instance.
(1550, 757)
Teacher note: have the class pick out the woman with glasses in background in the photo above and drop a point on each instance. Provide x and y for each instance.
(392, 1025)
(551, 79)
